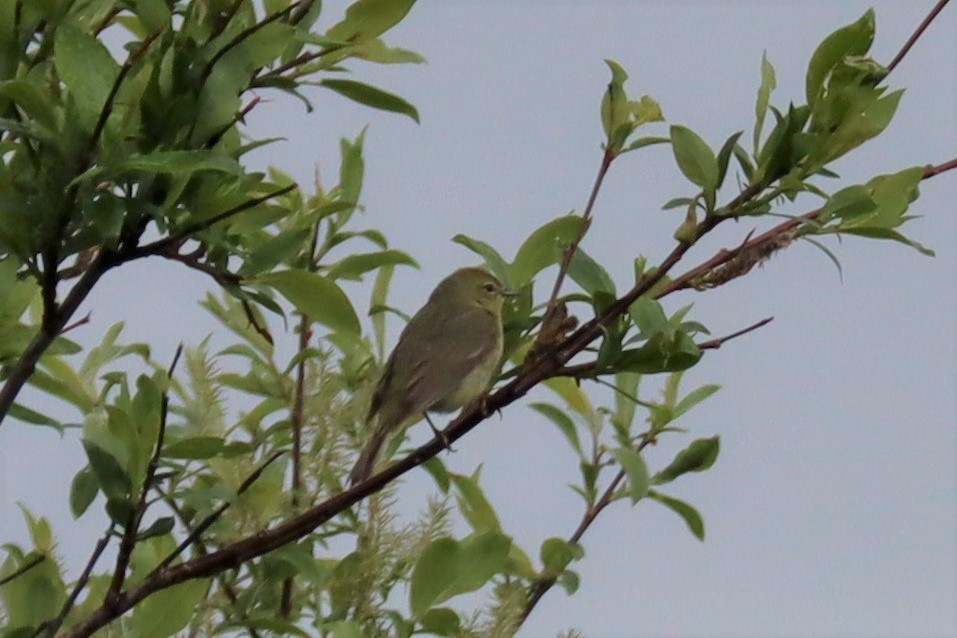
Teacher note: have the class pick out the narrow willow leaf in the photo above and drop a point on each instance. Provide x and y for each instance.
(562, 421)
(768, 84)
(473, 504)
(688, 513)
(635, 469)
(371, 96)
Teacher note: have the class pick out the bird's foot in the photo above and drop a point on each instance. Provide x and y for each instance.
(440, 435)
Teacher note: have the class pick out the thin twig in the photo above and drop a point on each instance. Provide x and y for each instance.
(215, 515)
(244, 35)
(23, 569)
(107, 109)
(52, 626)
(76, 324)
(128, 541)
(589, 369)
(916, 35)
(714, 344)
(202, 550)
(158, 246)
(296, 419)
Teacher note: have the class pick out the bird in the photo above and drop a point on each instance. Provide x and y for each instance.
(445, 358)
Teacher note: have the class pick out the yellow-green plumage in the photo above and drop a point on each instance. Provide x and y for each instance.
(445, 358)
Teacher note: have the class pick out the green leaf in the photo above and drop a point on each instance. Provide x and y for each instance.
(194, 447)
(448, 567)
(642, 142)
(661, 354)
(110, 475)
(887, 233)
(473, 503)
(86, 68)
(154, 14)
(574, 396)
(275, 250)
(351, 171)
(724, 156)
(590, 275)
(697, 457)
(441, 621)
(354, 266)
(615, 111)
(569, 581)
(161, 526)
(557, 553)
(178, 163)
(315, 296)
(368, 19)
(83, 490)
(634, 467)
(627, 384)
(689, 514)
(853, 39)
(27, 415)
(768, 84)
(649, 316)
(694, 397)
(168, 611)
(493, 260)
(862, 125)
(543, 248)
(695, 158)
(371, 96)
(562, 421)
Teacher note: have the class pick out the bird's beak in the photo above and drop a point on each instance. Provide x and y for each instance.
(506, 292)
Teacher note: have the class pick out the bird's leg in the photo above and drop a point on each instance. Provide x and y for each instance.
(439, 433)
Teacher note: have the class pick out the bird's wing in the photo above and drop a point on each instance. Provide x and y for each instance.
(447, 351)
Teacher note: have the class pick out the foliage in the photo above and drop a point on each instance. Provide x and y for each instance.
(240, 521)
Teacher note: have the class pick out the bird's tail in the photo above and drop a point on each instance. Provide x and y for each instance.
(367, 458)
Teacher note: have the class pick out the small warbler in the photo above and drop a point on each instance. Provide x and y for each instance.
(445, 358)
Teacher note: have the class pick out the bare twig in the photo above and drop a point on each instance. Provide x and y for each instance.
(714, 344)
(76, 324)
(916, 35)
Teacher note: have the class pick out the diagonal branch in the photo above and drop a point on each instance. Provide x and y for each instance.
(917, 34)
(23, 569)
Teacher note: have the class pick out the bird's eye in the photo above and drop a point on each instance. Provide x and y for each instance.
(489, 288)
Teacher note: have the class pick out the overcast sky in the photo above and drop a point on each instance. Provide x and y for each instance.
(831, 510)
